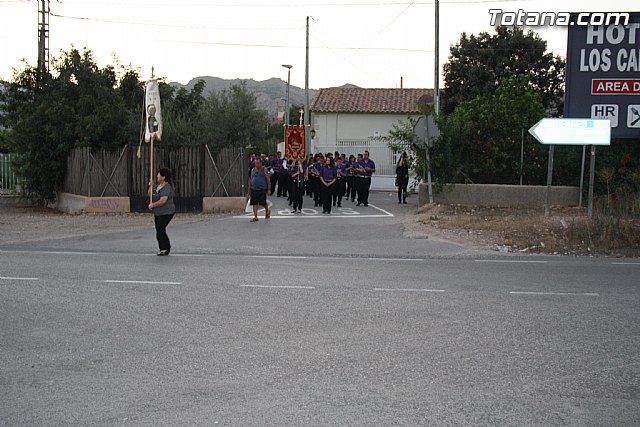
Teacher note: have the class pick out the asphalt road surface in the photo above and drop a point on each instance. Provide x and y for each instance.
(313, 320)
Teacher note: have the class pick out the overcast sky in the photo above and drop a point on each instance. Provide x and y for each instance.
(369, 43)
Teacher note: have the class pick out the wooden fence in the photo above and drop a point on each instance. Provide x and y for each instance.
(197, 173)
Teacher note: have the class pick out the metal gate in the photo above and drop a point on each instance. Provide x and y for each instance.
(187, 166)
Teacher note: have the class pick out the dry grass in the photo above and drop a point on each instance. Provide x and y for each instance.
(565, 231)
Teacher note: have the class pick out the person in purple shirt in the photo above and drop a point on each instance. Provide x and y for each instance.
(276, 165)
(356, 173)
(350, 178)
(366, 167)
(327, 182)
(309, 186)
(341, 180)
(299, 174)
(317, 170)
(287, 179)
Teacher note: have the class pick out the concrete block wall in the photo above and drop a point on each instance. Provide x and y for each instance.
(498, 195)
(75, 204)
(224, 204)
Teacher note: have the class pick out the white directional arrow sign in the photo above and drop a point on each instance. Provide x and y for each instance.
(572, 131)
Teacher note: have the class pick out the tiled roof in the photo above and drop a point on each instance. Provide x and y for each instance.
(357, 100)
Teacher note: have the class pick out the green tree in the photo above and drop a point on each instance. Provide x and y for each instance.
(77, 104)
(4, 141)
(478, 64)
(228, 118)
(492, 130)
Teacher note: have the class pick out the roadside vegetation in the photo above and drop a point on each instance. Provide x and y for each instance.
(44, 115)
(497, 86)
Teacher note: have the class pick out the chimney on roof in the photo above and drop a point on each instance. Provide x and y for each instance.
(401, 82)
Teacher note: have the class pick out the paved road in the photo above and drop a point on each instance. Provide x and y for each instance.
(313, 332)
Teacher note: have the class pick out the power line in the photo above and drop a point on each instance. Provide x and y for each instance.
(170, 25)
(393, 20)
(204, 42)
(271, 5)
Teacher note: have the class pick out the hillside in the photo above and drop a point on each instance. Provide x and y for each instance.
(270, 93)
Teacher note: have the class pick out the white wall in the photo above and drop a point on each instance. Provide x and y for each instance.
(332, 127)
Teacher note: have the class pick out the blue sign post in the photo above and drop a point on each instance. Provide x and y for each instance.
(572, 132)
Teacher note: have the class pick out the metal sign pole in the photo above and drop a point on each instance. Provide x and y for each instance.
(521, 156)
(584, 152)
(592, 178)
(549, 176)
(429, 176)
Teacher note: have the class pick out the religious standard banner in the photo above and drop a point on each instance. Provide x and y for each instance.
(154, 115)
(294, 142)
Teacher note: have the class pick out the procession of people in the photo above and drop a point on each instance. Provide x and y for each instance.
(328, 178)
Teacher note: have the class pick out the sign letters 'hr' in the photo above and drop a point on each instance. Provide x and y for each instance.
(572, 131)
(603, 74)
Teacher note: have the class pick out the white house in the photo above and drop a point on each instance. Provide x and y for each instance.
(349, 119)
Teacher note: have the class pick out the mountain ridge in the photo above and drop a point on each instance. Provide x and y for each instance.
(270, 94)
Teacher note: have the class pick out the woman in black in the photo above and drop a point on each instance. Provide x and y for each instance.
(402, 178)
(163, 208)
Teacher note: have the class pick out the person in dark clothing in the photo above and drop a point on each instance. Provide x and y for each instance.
(327, 182)
(259, 187)
(366, 167)
(163, 208)
(402, 178)
(351, 163)
(318, 167)
(341, 174)
(299, 173)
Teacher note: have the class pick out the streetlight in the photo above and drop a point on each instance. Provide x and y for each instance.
(286, 111)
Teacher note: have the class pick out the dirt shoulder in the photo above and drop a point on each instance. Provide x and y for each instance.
(567, 231)
(25, 224)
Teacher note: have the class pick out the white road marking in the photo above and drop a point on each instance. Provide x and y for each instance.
(625, 263)
(277, 286)
(31, 279)
(395, 259)
(312, 213)
(278, 256)
(138, 282)
(187, 256)
(332, 215)
(407, 290)
(557, 294)
(381, 210)
(511, 261)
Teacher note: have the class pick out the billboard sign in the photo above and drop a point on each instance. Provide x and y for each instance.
(603, 74)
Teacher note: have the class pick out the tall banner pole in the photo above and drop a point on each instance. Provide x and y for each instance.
(153, 125)
(151, 178)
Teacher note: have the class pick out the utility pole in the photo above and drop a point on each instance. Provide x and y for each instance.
(43, 35)
(436, 82)
(286, 110)
(307, 113)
